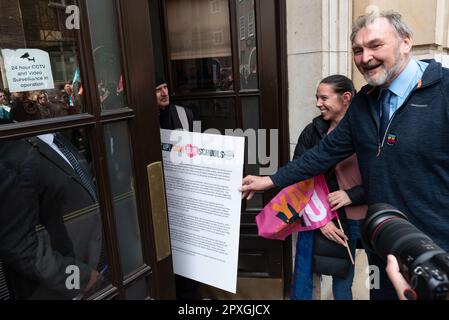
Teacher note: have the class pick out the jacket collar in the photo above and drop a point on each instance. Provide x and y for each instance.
(433, 74)
(46, 151)
(321, 125)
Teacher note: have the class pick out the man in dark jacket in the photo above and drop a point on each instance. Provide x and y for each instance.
(174, 117)
(171, 116)
(50, 226)
(398, 125)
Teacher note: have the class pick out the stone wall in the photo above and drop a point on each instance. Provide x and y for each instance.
(317, 46)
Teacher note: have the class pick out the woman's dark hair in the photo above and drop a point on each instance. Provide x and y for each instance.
(340, 84)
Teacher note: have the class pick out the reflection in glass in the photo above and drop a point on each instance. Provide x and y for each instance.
(5, 293)
(214, 113)
(50, 224)
(200, 45)
(122, 186)
(108, 67)
(247, 45)
(46, 50)
(138, 291)
(250, 117)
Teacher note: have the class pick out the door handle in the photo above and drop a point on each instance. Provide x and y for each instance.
(159, 210)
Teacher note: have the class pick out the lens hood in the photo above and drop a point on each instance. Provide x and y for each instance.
(376, 215)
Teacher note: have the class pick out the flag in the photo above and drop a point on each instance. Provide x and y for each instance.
(76, 76)
(300, 207)
(120, 87)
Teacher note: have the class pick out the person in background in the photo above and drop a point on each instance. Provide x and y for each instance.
(5, 107)
(174, 117)
(72, 98)
(41, 99)
(171, 116)
(46, 180)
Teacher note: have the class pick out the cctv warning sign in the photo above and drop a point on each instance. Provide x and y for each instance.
(27, 70)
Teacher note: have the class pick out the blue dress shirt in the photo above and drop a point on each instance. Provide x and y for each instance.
(405, 83)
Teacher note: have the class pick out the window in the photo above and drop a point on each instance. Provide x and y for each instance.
(218, 37)
(215, 6)
(251, 24)
(242, 28)
(39, 63)
(200, 52)
(249, 79)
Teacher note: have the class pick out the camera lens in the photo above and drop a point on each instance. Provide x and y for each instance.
(425, 265)
(388, 231)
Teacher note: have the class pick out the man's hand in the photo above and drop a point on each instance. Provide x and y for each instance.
(401, 285)
(251, 184)
(338, 199)
(331, 232)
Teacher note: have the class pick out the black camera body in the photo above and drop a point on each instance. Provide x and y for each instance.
(425, 265)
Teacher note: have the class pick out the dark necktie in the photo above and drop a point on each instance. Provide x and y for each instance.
(385, 107)
(85, 178)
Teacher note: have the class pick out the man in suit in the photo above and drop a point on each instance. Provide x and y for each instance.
(49, 219)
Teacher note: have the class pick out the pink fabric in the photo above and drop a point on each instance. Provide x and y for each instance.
(299, 207)
(348, 176)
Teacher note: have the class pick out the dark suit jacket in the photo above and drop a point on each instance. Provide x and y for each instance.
(48, 221)
(169, 118)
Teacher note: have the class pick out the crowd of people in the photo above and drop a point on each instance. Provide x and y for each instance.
(51, 103)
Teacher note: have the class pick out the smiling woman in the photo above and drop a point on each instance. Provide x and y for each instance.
(324, 251)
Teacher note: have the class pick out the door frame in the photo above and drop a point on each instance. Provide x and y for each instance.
(273, 96)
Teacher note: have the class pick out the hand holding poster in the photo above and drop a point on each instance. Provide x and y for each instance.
(299, 207)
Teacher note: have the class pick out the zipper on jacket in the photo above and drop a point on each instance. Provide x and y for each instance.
(381, 143)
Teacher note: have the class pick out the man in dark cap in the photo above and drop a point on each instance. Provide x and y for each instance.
(171, 116)
(174, 117)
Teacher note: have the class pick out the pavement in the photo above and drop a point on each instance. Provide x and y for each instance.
(360, 290)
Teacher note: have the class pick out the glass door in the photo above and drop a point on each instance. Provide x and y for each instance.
(80, 201)
(222, 60)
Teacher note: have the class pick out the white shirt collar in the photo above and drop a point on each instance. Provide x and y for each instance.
(47, 138)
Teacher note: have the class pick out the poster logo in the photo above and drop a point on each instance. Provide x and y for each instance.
(193, 151)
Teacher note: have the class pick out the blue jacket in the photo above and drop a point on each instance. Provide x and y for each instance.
(408, 167)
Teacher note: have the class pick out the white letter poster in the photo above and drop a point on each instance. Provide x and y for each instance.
(27, 70)
(203, 173)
